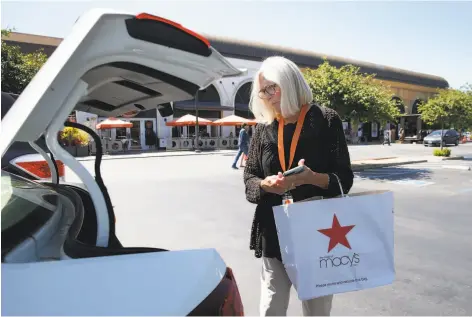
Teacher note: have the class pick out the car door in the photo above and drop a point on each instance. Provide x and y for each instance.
(451, 137)
(447, 137)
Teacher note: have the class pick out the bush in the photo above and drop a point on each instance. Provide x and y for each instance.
(74, 137)
(444, 152)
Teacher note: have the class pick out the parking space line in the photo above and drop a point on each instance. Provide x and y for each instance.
(457, 167)
(412, 182)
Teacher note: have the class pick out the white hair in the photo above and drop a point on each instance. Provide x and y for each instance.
(295, 91)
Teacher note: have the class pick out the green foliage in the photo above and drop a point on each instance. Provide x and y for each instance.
(351, 93)
(467, 120)
(73, 137)
(449, 106)
(467, 88)
(18, 68)
(442, 152)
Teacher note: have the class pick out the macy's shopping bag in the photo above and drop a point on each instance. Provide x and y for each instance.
(337, 245)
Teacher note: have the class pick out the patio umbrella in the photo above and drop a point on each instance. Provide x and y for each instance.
(187, 120)
(232, 120)
(111, 123)
(253, 122)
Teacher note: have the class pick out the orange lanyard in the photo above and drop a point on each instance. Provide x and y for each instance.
(295, 138)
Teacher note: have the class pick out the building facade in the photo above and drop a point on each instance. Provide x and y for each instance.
(231, 95)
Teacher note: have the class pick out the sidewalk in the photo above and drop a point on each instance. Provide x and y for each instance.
(357, 165)
(361, 165)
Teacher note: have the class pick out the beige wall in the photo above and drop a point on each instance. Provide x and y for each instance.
(409, 93)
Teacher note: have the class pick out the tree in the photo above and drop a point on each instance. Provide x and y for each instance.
(449, 106)
(466, 122)
(18, 68)
(351, 93)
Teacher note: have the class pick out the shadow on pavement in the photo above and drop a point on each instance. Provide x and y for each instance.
(394, 173)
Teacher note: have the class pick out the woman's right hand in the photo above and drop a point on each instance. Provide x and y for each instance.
(274, 184)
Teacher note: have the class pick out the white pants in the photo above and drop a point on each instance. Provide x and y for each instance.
(275, 293)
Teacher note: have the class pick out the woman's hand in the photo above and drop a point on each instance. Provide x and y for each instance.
(307, 177)
(278, 184)
(274, 184)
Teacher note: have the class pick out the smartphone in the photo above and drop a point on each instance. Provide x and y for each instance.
(294, 171)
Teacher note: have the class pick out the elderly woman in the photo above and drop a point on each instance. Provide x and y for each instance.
(293, 131)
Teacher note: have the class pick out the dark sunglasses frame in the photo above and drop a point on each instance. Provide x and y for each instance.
(267, 91)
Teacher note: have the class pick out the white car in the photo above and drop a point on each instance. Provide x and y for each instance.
(60, 253)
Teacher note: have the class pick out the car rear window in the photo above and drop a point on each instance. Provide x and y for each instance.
(26, 207)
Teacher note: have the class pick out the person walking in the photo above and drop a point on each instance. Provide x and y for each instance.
(293, 130)
(243, 144)
(360, 136)
(386, 137)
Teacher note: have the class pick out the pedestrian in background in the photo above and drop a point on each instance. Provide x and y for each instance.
(293, 131)
(386, 136)
(243, 144)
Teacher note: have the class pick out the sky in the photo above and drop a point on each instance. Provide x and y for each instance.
(424, 36)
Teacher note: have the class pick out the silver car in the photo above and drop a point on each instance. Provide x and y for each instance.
(434, 138)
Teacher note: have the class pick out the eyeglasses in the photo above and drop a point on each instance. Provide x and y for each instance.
(268, 91)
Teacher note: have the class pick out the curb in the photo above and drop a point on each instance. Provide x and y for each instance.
(362, 167)
(453, 158)
(374, 159)
(441, 159)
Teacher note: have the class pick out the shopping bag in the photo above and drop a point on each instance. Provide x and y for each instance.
(337, 245)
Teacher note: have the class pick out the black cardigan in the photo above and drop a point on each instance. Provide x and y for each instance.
(323, 146)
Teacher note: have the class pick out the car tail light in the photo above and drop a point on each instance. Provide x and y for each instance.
(39, 169)
(224, 300)
(233, 305)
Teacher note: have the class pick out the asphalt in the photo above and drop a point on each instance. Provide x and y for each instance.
(198, 202)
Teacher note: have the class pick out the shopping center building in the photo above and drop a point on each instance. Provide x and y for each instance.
(231, 95)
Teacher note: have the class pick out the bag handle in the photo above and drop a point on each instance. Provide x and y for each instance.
(340, 186)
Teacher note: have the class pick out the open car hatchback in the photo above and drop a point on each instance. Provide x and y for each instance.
(60, 251)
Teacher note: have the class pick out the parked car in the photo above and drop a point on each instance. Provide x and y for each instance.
(449, 137)
(60, 251)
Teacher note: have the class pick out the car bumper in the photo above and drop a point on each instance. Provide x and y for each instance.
(432, 142)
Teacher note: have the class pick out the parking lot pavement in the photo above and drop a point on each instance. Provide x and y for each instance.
(198, 202)
(446, 177)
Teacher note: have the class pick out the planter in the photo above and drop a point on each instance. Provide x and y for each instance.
(71, 149)
(82, 151)
(77, 151)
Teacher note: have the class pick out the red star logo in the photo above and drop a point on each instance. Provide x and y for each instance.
(337, 234)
